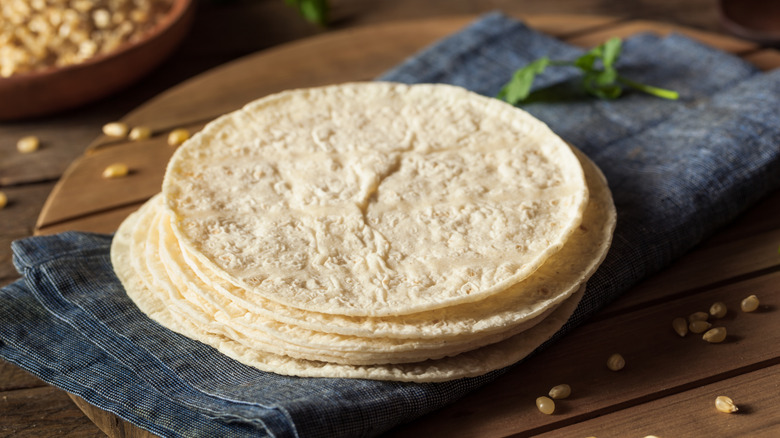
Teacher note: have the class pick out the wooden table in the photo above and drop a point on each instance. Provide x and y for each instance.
(669, 384)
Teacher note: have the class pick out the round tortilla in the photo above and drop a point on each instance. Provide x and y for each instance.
(374, 199)
(219, 318)
(470, 364)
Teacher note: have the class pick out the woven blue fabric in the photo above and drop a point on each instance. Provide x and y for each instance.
(678, 170)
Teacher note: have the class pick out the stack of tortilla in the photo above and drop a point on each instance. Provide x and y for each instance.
(369, 230)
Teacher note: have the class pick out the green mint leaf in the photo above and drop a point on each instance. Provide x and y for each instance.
(612, 91)
(519, 87)
(314, 11)
(606, 77)
(604, 82)
(586, 61)
(610, 52)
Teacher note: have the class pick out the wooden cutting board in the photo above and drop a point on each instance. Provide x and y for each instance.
(83, 200)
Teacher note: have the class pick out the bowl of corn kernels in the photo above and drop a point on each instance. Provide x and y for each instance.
(60, 54)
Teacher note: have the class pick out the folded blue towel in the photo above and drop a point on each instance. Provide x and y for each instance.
(678, 170)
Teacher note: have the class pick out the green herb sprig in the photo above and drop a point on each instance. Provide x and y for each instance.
(602, 81)
(314, 11)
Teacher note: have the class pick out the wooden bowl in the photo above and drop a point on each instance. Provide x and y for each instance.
(60, 88)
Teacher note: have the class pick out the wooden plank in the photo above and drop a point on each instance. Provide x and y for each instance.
(63, 139)
(624, 30)
(46, 164)
(12, 377)
(765, 59)
(762, 217)
(83, 190)
(703, 268)
(106, 222)
(24, 204)
(658, 363)
(565, 26)
(7, 271)
(110, 424)
(692, 413)
(43, 411)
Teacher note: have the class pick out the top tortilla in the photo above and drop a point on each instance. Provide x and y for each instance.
(375, 198)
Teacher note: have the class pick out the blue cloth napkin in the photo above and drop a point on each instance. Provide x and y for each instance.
(678, 171)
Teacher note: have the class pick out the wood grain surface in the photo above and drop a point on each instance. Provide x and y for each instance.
(669, 384)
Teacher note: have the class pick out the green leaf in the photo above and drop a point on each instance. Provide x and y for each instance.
(606, 77)
(610, 52)
(604, 82)
(314, 11)
(519, 87)
(586, 61)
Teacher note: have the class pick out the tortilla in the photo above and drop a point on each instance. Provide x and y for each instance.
(374, 199)
(222, 319)
(469, 364)
(369, 230)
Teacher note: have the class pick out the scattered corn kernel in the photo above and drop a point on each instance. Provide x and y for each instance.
(725, 404)
(715, 335)
(3, 200)
(178, 136)
(140, 133)
(560, 391)
(116, 170)
(680, 326)
(28, 144)
(545, 405)
(115, 129)
(699, 326)
(718, 310)
(749, 304)
(616, 362)
(698, 316)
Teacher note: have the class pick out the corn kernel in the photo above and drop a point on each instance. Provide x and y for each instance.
(545, 405)
(699, 326)
(28, 144)
(716, 335)
(115, 129)
(725, 404)
(178, 136)
(101, 18)
(3, 200)
(616, 362)
(680, 326)
(116, 170)
(718, 310)
(749, 304)
(560, 392)
(698, 316)
(140, 133)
